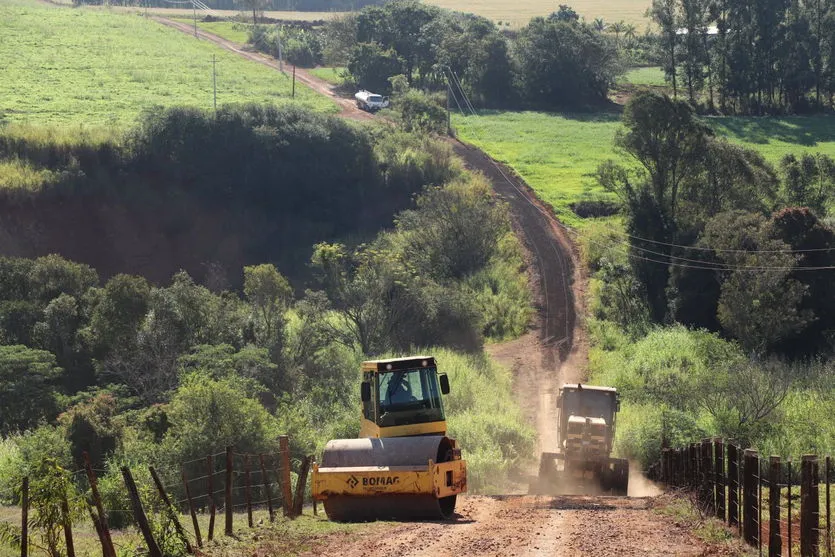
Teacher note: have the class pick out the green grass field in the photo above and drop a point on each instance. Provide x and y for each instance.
(229, 30)
(331, 75)
(653, 76)
(102, 68)
(557, 154)
(518, 15)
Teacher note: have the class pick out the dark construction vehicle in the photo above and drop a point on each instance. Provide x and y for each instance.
(583, 463)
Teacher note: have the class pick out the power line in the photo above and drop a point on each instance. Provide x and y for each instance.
(697, 264)
(716, 250)
(548, 217)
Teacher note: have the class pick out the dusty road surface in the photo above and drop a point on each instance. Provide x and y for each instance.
(552, 353)
(529, 526)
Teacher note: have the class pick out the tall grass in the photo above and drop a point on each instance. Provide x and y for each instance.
(662, 376)
(485, 419)
(9, 467)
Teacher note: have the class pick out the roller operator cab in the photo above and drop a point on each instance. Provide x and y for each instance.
(403, 466)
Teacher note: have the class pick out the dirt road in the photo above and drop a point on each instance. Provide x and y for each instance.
(552, 353)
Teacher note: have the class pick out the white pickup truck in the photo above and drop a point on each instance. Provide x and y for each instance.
(366, 100)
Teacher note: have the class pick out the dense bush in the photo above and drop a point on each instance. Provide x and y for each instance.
(302, 47)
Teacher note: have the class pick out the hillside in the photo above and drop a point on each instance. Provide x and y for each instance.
(102, 68)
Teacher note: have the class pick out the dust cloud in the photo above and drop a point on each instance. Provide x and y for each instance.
(639, 485)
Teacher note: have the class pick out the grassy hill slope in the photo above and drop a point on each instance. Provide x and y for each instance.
(102, 68)
(557, 154)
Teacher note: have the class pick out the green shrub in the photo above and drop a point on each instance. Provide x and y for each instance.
(502, 292)
(209, 415)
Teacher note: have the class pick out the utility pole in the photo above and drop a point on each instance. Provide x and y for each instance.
(194, 8)
(294, 81)
(214, 79)
(280, 57)
(448, 116)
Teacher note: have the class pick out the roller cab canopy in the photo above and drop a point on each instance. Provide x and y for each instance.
(401, 397)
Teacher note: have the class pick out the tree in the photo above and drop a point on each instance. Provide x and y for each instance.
(808, 181)
(371, 65)
(617, 28)
(663, 12)
(800, 229)
(269, 295)
(53, 275)
(667, 140)
(27, 387)
(119, 313)
(209, 415)
(565, 63)
(695, 56)
(441, 235)
(565, 13)
(256, 6)
(745, 398)
(759, 304)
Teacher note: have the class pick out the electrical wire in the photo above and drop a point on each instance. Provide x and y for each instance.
(548, 218)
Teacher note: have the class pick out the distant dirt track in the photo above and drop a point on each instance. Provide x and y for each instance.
(553, 353)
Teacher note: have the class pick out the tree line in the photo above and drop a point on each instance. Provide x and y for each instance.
(719, 239)
(765, 57)
(214, 192)
(555, 61)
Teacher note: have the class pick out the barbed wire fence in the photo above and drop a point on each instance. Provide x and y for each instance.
(778, 506)
(217, 485)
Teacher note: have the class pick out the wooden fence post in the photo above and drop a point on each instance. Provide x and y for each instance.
(298, 503)
(775, 540)
(106, 541)
(211, 491)
(706, 492)
(694, 466)
(733, 486)
(228, 493)
(749, 497)
(192, 511)
(809, 507)
(789, 504)
(24, 518)
(719, 473)
(169, 508)
(827, 465)
(248, 491)
(139, 514)
(286, 488)
(266, 480)
(67, 522)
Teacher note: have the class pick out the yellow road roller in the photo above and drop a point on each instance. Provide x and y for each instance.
(403, 466)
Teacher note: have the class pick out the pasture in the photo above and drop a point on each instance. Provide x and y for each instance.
(651, 75)
(101, 68)
(518, 15)
(557, 154)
